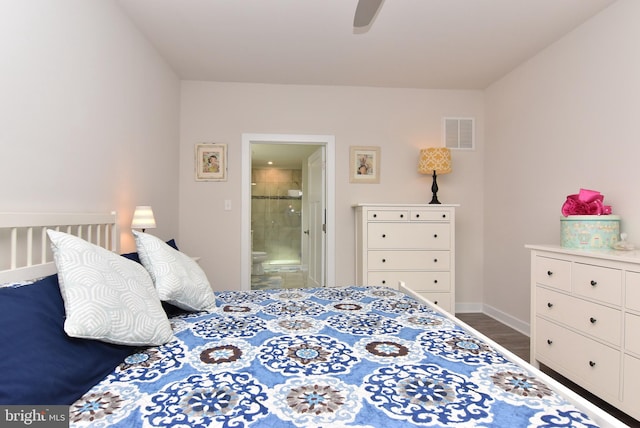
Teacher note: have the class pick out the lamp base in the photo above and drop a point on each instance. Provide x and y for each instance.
(434, 190)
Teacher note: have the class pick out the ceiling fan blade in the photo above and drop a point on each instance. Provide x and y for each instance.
(365, 11)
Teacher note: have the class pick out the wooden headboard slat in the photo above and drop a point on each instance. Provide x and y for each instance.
(20, 255)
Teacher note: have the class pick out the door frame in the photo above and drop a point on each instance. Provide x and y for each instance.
(328, 141)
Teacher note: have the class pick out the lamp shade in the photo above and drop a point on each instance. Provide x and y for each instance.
(143, 218)
(436, 159)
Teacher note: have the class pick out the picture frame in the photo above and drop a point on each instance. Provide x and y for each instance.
(364, 164)
(211, 162)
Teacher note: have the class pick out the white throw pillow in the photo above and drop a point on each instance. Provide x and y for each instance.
(107, 297)
(178, 278)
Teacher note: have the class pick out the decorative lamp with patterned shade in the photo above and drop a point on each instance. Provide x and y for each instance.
(143, 218)
(435, 161)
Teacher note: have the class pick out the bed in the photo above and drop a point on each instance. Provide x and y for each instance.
(325, 357)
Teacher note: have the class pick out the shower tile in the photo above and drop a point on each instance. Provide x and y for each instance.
(260, 189)
(259, 175)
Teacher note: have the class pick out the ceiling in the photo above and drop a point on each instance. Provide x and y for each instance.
(433, 44)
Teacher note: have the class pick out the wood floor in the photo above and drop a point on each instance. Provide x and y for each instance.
(518, 343)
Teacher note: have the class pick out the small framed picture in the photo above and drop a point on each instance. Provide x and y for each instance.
(211, 162)
(364, 164)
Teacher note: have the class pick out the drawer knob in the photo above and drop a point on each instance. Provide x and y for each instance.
(549, 341)
(549, 273)
(375, 215)
(593, 283)
(435, 281)
(549, 305)
(384, 235)
(417, 215)
(435, 260)
(435, 235)
(592, 363)
(593, 320)
(384, 281)
(384, 260)
(435, 302)
(444, 216)
(401, 215)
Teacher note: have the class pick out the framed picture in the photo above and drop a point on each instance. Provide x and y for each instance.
(364, 164)
(211, 162)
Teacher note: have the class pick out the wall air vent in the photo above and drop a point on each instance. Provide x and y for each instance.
(459, 132)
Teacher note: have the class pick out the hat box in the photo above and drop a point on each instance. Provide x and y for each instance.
(589, 231)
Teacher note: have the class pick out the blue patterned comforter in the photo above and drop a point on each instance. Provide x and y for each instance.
(330, 357)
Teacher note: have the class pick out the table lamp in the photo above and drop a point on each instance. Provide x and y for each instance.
(143, 218)
(436, 161)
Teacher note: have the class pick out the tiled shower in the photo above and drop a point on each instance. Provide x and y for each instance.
(275, 215)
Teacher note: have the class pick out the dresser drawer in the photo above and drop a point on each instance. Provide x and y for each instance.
(593, 365)
(429, 215)
(383, 278)
(388, 215)
(417, 281)
(408, 260)
(431, 236)
(597, 282)
(632, 333)
(631, 386)
(632, 300)
(593, 319)
(442, 300)
(553, 272)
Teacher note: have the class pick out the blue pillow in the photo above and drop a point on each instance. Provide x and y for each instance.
(172, 243)
(136, 258)
(132, 256)
(39, 363)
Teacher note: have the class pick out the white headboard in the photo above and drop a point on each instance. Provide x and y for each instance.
(25, 251)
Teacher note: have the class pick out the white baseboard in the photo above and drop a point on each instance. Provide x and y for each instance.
(464, 308)
(503, 317)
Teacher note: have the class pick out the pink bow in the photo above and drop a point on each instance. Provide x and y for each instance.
(587, 202)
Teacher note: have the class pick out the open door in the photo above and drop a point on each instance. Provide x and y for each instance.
(323, 240)
(314, 236)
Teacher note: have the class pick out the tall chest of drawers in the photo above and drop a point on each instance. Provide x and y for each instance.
(411, 243)
(585, 320)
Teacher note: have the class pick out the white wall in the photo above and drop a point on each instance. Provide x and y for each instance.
(88, 114)
(567, 119)
(399, 121)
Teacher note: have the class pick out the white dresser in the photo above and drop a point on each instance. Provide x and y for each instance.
(410, 243)
(585, 320)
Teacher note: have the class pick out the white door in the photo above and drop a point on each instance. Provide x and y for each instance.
(315, 233)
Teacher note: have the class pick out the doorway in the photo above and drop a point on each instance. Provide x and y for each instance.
(317, 235)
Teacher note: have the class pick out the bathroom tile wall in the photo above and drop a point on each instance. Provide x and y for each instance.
(275, 216)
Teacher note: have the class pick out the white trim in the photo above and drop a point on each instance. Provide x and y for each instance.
(505, 318)
(328, 141)
(466, 308)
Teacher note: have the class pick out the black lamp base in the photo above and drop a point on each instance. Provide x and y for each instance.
(434, 190)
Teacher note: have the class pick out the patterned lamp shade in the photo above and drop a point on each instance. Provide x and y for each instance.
(143, 218)
(436, 159)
